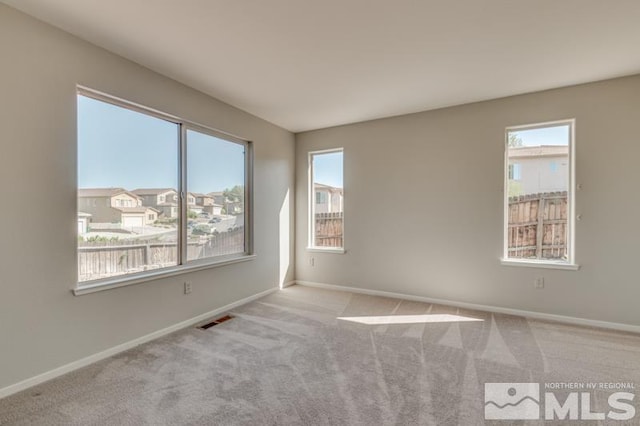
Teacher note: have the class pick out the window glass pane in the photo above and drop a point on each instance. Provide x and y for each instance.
(538, 189)
(328, 206)
(126, 161)
(216, 189)
(517, 172)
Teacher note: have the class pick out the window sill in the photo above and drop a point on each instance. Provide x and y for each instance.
(123, 281)
(334, 250)
(540, 264)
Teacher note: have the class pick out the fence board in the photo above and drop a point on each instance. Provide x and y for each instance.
(537, 227)
(105, 259)
(329, 229)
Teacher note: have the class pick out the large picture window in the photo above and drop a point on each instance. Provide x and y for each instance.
(156, 192)
(539, 193)
(326, 200)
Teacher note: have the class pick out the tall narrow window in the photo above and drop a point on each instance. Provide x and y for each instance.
(155, 192)
(326, 199)
(539, 192)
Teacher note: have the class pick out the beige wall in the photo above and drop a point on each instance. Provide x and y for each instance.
(42, 325)
(442, 171)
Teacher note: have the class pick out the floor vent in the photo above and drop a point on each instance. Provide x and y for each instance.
(216, 322)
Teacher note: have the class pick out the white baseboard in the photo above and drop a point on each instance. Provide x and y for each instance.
(529, 314)
(288, 284)
(17, 387)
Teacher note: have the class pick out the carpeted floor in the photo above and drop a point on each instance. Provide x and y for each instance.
(317, 357)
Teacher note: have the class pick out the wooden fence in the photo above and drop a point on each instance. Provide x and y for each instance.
(329, 229)
(538, 226)
(106, 259)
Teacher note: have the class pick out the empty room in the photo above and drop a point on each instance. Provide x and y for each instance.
(289, 212)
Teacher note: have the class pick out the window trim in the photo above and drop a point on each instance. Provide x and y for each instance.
(156, 274)
(183, 266)
(570, 263)
(311, 228)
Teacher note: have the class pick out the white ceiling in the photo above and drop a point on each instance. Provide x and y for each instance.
(305, 64)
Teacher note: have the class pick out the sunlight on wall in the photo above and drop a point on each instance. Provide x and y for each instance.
(285, 255)
(409, 319)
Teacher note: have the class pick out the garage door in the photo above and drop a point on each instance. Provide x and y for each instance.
(132, 222)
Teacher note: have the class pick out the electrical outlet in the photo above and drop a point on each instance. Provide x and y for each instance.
(538, 283)
(312, 261)
(187, 287)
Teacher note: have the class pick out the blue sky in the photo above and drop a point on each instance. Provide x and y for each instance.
(328, 169)
(122, 148)
(213, 164)
(558, 135)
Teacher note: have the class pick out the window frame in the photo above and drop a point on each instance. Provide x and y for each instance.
(183, 266)
(311, 247)
(570, 263)
(248, 192)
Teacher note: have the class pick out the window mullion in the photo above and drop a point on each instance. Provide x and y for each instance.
(182, 199)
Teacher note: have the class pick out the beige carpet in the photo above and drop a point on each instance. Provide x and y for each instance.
(289, 359)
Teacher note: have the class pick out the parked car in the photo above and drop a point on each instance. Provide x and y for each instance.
(215, 220)
(204, 215)
(202, 229)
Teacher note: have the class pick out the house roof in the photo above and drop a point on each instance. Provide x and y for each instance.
(152, 191)
(327, 187)
(100, 192)
(135, 209)
(104, 193)
(539, 151)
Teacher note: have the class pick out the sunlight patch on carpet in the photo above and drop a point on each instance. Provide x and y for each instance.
(409, 319)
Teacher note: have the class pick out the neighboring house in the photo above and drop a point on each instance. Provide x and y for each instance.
(218, 197)
(115, 206)
(191, 204)
(208, 204)
(230, 206)
(537, 169)
(83, 222)
(164, 200)
(328, 199)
